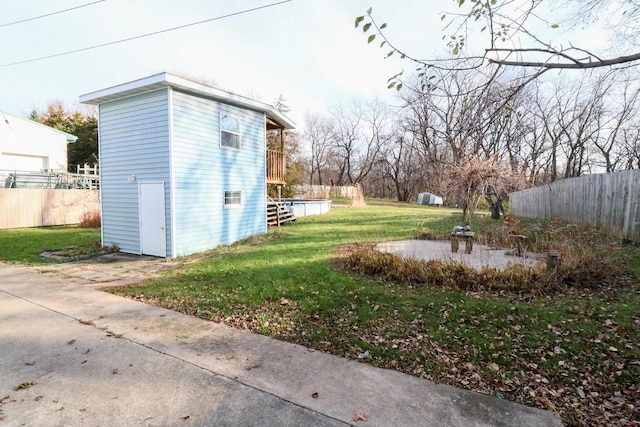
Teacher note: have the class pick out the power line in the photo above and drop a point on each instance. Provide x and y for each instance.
(49, 14)
(144, 35)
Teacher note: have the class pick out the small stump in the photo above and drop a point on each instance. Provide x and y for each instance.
(467, 236)
(522, 243)
(553, 263)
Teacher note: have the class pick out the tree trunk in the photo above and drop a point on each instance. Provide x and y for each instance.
(496, 208)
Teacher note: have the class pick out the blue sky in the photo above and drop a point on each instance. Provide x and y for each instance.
(307, 50)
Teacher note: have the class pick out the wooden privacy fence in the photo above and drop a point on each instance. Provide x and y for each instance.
(306, 191)
(30, 207)
(610, 202)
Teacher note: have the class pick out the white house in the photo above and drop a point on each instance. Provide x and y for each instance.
(28, 146)
(183, 166)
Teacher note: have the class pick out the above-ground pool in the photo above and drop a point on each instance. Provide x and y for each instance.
(306, 207)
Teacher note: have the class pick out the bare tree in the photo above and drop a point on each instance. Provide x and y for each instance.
(318, 134)
(631, 146)
(621, 109)
(403, 166)
(361, 130)
(510, 39)
(346, 138)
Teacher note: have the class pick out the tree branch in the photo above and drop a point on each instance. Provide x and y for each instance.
(581, 65)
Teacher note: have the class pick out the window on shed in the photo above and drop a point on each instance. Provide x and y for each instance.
(229, 132)
(232, 198)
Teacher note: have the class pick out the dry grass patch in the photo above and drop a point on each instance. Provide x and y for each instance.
(582, 269)
(91, 219)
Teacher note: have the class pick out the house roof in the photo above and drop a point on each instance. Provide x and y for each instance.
(6, 119)
(161, 80)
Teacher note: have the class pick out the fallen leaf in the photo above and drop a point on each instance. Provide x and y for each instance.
(113, 334)
(494, 366)
(26, 384)
(360, 417)
(71, 342)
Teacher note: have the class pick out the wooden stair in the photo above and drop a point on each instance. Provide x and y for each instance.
(278, 214)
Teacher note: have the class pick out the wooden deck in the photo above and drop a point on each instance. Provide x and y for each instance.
(276, 167)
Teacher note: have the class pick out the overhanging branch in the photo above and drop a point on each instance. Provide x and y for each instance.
(572, 65)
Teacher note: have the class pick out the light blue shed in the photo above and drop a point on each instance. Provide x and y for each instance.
(183, 166)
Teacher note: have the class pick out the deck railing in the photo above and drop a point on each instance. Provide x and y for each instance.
(276, 167)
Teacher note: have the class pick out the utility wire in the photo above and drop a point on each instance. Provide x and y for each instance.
(144, 35)
(50, 14)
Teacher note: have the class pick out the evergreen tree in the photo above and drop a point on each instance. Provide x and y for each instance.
(84, 126)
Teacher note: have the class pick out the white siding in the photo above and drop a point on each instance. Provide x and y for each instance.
(134, 140)
(203, 171)
(29, 146)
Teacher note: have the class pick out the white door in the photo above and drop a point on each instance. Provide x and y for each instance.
(153, 237)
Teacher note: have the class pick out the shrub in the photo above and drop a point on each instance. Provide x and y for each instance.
(90, 219)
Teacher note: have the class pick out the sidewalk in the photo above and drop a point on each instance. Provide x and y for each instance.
(85, 357)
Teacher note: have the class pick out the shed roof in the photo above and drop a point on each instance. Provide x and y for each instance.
(161, 80)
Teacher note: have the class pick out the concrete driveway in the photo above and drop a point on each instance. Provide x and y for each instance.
(71, 355)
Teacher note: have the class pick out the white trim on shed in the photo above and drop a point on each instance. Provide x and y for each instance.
(161, 80)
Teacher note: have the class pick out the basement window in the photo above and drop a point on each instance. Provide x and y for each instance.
(232, 199)
(229, 132)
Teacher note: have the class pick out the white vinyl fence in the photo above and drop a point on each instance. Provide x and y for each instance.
(610, 202)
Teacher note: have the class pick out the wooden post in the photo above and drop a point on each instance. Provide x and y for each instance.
(357, 198)
(468, 244)
(454, 243)
(522, 243)
(467, 236)
(553, 262)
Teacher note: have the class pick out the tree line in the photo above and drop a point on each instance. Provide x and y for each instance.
(463, 136)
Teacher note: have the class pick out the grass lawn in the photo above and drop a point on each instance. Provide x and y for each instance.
(576, 353)
(24, 245)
